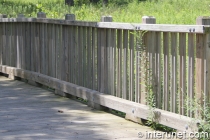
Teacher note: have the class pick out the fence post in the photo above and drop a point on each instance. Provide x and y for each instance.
(148, 20)
(20, 16)
(148, 43)
(70, 17)
(140, 89)
(41, 15)
(102, 62)
(202, 79)
(3, 16)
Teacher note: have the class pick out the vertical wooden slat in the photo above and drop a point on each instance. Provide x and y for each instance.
(125, 65)
(191, 70)
(80, 55)
(32, 45)
(1, 42)
(109, 61)
(19, 45)
(182, 52)
(84, 57)
(23, 47)
(37, 48)
(12, 51)
(46, 49)
(76, 47)
(158, 81)
(139, 78)
(207, 71)
(152, 72)
(64, 53)
(27, 46)
(53, 51)
(4, 44)
(89, 60)
(8, 43)
(42, 48)
(145, 56)
(113, 62)
(119, 61)
(166, 71)
(57, 50)
(173, 98)
(94, 59)
(49, 45)
(131, 80)
(199, 73)
(103, 59)
(71, 54)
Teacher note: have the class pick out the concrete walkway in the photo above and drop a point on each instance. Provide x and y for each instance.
(28, 112)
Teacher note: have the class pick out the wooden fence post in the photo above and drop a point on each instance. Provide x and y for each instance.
(102, 59)
(140, 89)
(70, 17)
(202, 73)
(20, 16)
(148, 20)
(144, 75)
(3, 16)
(41, 15)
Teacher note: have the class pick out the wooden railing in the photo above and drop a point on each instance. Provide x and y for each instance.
(125, 60)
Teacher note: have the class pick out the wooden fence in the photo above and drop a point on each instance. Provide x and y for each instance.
(112, 58)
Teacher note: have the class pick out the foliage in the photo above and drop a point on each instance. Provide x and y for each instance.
(165, 11)
(201, 115)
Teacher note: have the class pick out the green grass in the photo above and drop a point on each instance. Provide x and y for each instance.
(165, 11)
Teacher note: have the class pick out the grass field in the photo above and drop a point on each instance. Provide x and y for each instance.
(165, 11)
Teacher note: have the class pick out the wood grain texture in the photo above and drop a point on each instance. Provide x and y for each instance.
(191, 70)
(182, 73)
(174, 80)
(166, 71)
(164, 117)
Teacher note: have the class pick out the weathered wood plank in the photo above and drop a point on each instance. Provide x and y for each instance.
(89, 67)
(119, 63)
(109, 61)
(165, 99)
(1, 42)
(84, 57)
(199, 72)
(191, 71)
(102, 60)
(132, 57)
(46, 49)
(65, 53)
(174, 80)
(113, 61)
(32, 48)
(80, 55)
(94, 59)
(139, 74)
(182, 53)
(125, 65)
(27, 46)
(19, 44)
(115, 25)
(158, 79)
(37, 48)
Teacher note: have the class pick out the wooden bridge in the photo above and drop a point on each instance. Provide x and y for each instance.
(112, 65)
(28, 112)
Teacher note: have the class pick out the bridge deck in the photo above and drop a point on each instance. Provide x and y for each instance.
(28, 112)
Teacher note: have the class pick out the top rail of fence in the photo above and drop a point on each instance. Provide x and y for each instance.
(117, 25)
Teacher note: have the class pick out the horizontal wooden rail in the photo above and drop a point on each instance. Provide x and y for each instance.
(115, 25)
